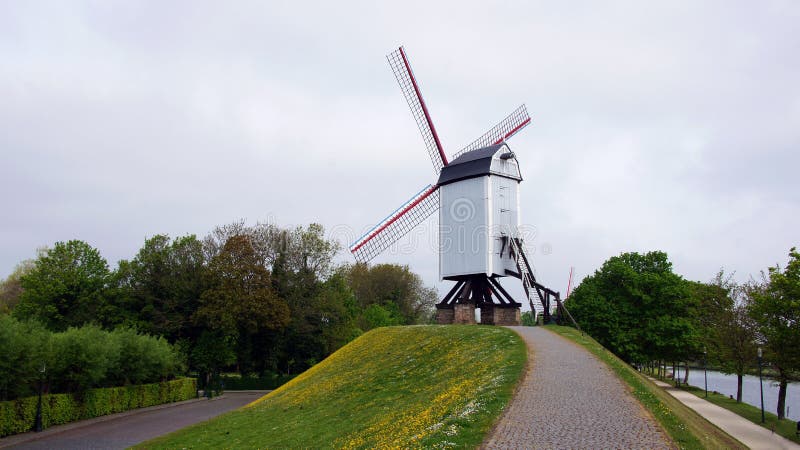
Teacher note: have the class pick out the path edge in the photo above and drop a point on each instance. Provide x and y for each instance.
(530, 358)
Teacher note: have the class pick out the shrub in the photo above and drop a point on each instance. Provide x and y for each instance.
(142, 358)
(81, 358)
(17, 416)
(23, 350)
(270, 380)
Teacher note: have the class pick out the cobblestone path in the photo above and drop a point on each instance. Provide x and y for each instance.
(570, 399)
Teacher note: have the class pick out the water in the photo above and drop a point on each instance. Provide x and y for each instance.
(726, 384)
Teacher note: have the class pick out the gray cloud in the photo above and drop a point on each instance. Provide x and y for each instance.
(668, 126)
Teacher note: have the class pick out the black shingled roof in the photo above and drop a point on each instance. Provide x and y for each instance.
(475, 163)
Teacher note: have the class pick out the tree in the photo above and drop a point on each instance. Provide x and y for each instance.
(735, 336)
(65, 287)
(11, 287)
(528, 319)
(727, 331)
(240, 300)
(638, 308)
(24, 350)
(158, 291)
(775, 307)
(302, 249)
(396, 289)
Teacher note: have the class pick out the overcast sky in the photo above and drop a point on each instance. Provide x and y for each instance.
(669, 126)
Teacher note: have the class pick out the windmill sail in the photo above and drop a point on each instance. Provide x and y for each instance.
(508, 127)
(396, 224)
(408, 84)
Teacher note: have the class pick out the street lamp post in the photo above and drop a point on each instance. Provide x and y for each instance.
(705, 369)
(761, 384)
(37, 426)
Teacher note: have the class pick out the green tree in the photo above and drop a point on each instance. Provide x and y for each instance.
(65, 287)
(240, 300)
(158, 291)
(11, 287)
(775, 307)
(395, 289)
(24, 351)
(528, 319)
(81, 358)
(638, 308)
(727, 331)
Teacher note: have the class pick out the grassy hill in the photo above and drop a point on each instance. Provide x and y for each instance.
(421, 386)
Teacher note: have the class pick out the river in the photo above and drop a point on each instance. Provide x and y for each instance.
(726, 384)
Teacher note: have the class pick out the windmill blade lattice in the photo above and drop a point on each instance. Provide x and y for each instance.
(397, 224)
(408, 84)
(508, 127)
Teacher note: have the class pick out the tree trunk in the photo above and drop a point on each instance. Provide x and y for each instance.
(782, 397)
(686, 375)
(739, 388)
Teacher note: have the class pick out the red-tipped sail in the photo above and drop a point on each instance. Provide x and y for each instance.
(508, 127)
(396, 225)
(408, 84)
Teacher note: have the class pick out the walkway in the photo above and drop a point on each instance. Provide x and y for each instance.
(748, 433)
(570, 399)
(123, 430)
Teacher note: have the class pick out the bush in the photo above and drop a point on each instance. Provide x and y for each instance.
(142, 358)
(80, 358)
(17, 416)
(23, 350)
(268, 381)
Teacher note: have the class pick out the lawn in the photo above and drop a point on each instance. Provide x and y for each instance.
(410, 387)
(686, 428)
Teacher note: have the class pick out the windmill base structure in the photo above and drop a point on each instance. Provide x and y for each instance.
(477, 197)
(458, 306)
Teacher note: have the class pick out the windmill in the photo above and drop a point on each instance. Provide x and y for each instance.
(477, 196)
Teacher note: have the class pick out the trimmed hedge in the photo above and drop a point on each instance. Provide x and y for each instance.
(80, 358)
(17, 416)
(266, 382)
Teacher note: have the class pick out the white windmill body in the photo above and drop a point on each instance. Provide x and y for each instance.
(478, 212)
(477, 196)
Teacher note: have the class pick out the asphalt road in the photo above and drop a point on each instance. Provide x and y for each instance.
(130, 429)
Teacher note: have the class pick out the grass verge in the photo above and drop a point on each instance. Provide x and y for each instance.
(785, 427)
(400, 387)
(687, 429)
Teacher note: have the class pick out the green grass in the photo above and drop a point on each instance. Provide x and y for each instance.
(686, 428)
(409, 387)
(785, 427)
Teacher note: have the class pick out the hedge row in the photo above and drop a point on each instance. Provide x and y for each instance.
(80, 358)
(18, 416)
(266, 382)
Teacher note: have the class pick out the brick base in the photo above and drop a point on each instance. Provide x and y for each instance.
(464, 313)
(444, 316)
(494, 315)
(487, 315)
(507, 316)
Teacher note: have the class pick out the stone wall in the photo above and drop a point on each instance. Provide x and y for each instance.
(444, 316)
(507, 316)
(487, 315)
(464, 313)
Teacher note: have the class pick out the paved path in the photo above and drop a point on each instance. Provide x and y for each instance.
(748, 433)
(570, 399)
(126, 429)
